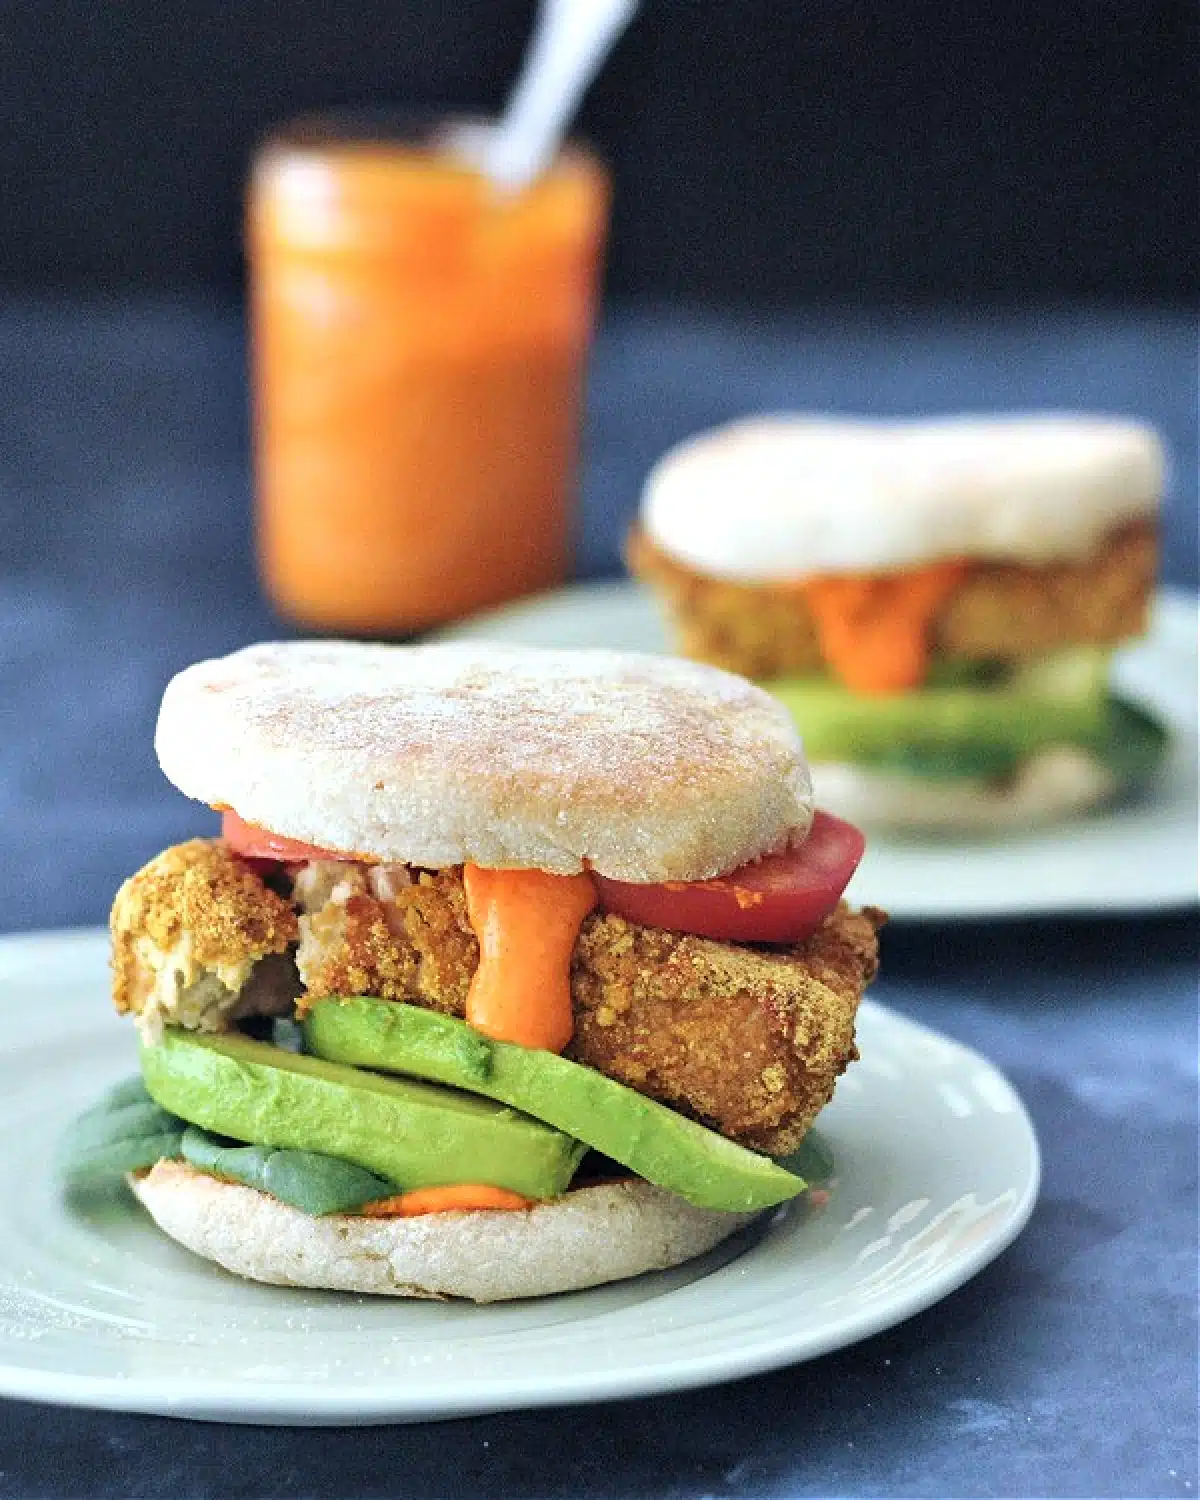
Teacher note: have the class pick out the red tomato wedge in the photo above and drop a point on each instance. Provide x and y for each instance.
(252, 842)
(783, 898)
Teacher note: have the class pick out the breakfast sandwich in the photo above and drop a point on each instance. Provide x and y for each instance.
(936, 602)
(510, 971)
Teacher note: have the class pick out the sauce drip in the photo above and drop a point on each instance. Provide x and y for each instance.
(874, 629)
(460, 1197)
(526, 922)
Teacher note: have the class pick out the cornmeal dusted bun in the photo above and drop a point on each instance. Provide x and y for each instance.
(590, 1236)
(786, 497)
(647, 768)
(1059, 782)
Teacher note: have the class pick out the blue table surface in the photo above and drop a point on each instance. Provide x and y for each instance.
(1068, 1367)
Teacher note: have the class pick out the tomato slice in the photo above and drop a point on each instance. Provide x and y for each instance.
(252, 842)
(783, 898)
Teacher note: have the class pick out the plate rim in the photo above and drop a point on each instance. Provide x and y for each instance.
(280, 1403)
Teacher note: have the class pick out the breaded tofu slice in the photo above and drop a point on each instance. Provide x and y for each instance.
(198, 940)
(386, 932)
(748, 1040)
(998, 612)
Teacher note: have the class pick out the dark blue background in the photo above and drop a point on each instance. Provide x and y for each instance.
(838, 151)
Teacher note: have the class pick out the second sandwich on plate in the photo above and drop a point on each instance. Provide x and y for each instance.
(936, 602)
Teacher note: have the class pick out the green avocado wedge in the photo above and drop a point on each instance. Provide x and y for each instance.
(663, 1147)
(1060, 700)
(127, 1131)
(1127, 741)
(411, 1134)
(979, 721)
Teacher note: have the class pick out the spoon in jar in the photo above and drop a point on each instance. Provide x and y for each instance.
(570, 42)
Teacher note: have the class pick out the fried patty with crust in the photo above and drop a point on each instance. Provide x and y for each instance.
(748, 1040)
(199, 941)
(998, 612)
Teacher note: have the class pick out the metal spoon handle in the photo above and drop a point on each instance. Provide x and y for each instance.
(570, 42)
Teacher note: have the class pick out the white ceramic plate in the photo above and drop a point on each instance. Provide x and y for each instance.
(936, 1172)
(1140, 856)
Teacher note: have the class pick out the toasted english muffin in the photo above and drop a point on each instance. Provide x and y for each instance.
(591, 1235)
(635, 767)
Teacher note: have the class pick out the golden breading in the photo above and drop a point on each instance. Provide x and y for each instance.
(417, 946)
(193, 914)
(999, 611)
(748, 1040)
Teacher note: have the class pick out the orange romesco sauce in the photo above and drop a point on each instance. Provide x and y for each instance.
(417, 351)
(526, 922)
(874, 628)
(441, 1200)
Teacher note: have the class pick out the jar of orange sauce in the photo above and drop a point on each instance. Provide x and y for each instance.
(418, 343)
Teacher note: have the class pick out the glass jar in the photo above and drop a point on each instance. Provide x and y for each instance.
(418, 344)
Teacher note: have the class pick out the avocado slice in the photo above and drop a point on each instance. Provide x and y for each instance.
(647, 1137)
(1059, 700)
(1129, 742)
(976, 761)
(412, 1134)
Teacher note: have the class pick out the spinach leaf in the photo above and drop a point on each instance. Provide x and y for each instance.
(306, 1180)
